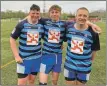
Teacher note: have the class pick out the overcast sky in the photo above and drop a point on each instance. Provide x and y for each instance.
(67, 6)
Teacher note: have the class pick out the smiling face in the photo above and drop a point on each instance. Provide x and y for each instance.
(82, 16)
(34, 15)
(54, 15)
(55, 12)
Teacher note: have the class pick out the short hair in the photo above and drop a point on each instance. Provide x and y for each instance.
(82, 8)
(55, 7)
(35, 7)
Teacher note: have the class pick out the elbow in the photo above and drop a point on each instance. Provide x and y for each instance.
(12, 40)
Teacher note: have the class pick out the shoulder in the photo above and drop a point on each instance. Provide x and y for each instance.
(94, 34)
(70, 24)
(63, 22)
(22, 22)
(43, 19)
(91, 30)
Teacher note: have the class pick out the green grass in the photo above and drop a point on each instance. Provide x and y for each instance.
(8, 73)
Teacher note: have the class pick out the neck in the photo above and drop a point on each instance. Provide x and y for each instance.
(81, 26)
(32, 22)
(55, 20)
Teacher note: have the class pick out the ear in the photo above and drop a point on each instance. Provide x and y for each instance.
(88, 18)
(75, 16)
(60, 13)
(29, 13)
(49, 14)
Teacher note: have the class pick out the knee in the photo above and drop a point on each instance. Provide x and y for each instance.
(54, 82)
(71, 82)
(31, 81)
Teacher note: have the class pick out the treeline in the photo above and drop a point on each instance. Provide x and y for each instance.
(99, 13)
(19, 14)
(13, 14)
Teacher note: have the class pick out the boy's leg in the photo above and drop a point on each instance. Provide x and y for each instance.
(22, 79)
(55, 73)
(70, 77)
(31, 78)
(34, 71)
(47, 63)
(56, 69)
(55, 76)
(82, 78)
(23, 70)
(43, 78)
(43, 75)
(80, 83)
(70, 82)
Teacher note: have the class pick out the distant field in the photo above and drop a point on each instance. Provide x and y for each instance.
(8, 73)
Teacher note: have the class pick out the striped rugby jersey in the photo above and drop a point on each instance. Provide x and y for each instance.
(29, 39)
(80, 45)
(53, 36)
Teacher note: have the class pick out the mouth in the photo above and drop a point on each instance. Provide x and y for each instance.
(35, 17)
(54, 17)
(83, 21)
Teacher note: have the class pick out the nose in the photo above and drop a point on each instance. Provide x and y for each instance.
(36, 15)
(82, 17)
(54, 14)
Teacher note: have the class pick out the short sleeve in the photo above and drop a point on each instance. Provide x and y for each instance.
(96, 42)
(17, 31)
(43, 31)
(65, 32)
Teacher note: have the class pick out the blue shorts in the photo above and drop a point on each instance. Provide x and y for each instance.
(74, 75)
(29, 66)
(51, 62)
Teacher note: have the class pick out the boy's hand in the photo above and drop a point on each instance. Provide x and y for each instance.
(96, 29)
(19, 59)
(62, 47)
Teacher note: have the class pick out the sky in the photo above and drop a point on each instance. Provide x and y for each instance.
(67, 6)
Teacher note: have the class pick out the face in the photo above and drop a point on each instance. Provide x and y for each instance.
(54, 15)
(35, 15)
(82, 16)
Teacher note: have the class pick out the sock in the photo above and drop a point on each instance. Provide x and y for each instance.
(42, 83)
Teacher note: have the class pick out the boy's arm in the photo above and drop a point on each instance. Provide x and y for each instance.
(93, 55)
(14, 35)
(18, 59)
(95, 46)
(95, 28)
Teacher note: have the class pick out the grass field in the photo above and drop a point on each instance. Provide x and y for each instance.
(8, 73)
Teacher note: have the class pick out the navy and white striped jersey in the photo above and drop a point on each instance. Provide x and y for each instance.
(79, 48)
(53, 36)
(29, 39)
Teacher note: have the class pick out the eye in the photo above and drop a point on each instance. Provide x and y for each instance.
(79, 15)
(85, 15)
(52, 12)
(33, 13)
(56, 12)
(37, 13)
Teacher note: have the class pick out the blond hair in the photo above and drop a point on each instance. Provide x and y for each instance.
(55, 7)
(82, 8)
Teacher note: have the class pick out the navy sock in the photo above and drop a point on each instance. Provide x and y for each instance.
(42, 83)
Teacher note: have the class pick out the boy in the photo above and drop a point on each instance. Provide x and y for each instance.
(83, 43)
(51, 59)
(29, 32)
